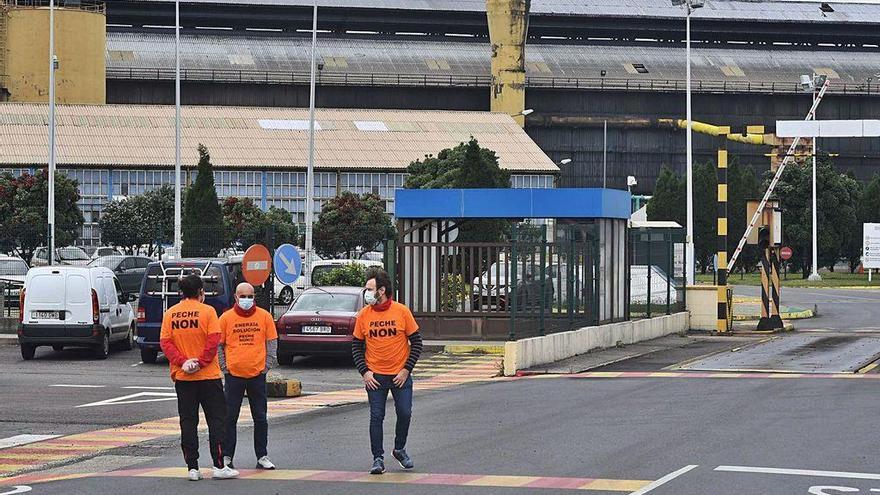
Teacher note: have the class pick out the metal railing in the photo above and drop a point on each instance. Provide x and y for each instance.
(84, 5)
(474, 81)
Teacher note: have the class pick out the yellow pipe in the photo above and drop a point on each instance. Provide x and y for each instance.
(714, 130)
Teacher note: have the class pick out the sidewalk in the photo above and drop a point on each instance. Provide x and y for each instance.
(749, 308)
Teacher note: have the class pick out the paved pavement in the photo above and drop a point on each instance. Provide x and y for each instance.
(839, 309)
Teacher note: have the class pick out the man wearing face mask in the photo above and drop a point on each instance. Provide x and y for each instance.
(248, 348)
(386, 346)
(189, 338)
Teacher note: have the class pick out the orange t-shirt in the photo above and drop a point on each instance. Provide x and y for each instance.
(244, 338)
(386, 334)
(188, 323)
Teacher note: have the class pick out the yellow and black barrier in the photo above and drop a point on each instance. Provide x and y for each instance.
(721, 265)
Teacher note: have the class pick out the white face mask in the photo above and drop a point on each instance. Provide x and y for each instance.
(245, 304)
(370, 297)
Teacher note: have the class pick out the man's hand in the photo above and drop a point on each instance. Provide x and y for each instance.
(191, 366)
(401, 377)
(370, 382)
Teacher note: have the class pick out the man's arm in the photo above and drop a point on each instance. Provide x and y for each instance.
(271, 354)
(415, 351)
(166, 343)
(221, 356)
(212, 342)
(358, 353)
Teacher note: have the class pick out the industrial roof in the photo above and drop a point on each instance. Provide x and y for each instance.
(255, 55)
(247, 137)
(769, 10)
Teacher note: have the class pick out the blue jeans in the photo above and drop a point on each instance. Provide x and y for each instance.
(402, 407)
(256, 392)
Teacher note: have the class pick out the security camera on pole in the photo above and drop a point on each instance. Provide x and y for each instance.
(812, 84)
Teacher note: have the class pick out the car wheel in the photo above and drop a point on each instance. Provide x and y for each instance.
(28, 351)
(128, 344)
(285, 359)
(57, 348)
(286, 296)
(149, 356)
(102, 350)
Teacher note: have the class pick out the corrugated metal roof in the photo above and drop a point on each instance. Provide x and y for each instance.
(472, 58)
(755, 10)
(143, 135)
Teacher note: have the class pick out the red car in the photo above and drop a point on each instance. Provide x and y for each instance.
(320, 321)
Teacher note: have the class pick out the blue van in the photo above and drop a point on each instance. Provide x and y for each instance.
(159, 292)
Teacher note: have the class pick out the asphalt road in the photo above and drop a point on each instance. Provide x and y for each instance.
(839, 309)
(626, 429)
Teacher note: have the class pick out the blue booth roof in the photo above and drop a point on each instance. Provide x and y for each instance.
(512, 203)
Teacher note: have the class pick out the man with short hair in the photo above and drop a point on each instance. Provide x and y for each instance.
(386, 346)
(248, 348)
(189, 338)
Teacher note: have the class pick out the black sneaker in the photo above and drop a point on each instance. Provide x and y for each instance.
(378, 466)
(403, 458)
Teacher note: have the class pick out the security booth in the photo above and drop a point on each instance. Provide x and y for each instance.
(494, 264)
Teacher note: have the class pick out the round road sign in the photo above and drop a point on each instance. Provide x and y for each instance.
(256, 265)
(785, 253)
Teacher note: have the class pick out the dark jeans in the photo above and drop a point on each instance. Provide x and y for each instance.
(402, 407)
(256, 392)
(209, 395)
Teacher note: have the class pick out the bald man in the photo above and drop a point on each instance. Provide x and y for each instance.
(248, 348)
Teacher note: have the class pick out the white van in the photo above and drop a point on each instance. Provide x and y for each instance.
(74, 306)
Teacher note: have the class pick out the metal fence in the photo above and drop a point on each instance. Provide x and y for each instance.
(657, 272)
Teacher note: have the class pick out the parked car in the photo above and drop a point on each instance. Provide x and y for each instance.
(13, 271)
(74, 306)
(320, 321)
(491, 290)
(70, 255)
(100, 251)
(128, 269)
(159, 292)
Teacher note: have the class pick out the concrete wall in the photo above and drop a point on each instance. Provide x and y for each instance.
(80, 44)
(526, 353)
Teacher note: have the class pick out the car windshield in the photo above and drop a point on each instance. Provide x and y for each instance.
(108, 261)
(13, 267)
(325, 301)
(72, 253)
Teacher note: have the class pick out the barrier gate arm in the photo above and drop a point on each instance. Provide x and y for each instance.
(788, 156)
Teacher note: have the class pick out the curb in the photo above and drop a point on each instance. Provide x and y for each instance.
(791, 315)
(284, 388)
(493, 349)
(787, 327)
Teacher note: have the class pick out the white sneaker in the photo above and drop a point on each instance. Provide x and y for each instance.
(194, 475)
(227, 473)
(265, 463)
(227, 461)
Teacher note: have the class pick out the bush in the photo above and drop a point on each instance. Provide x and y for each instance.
(454, 293)
(351, 275)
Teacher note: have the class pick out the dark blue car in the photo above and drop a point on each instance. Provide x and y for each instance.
(159, 292)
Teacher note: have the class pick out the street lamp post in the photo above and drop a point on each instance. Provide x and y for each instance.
(310, 172)
(690, 6)
(178, 235)
(814, 83)
(53, 64)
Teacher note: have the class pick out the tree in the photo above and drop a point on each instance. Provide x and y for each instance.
(350, 222)
(245, 224)
(668, 201)
(120, 224)
(466, 166)
(24, 212)
(142, 222)
(202, 217)
(869, 212)
(350, 275)
(851, 243)
(742, 186)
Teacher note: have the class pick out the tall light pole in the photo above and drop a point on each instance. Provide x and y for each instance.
(310, 173)
(814, 83)
(690, 6)
(53, 63)
(178, 236)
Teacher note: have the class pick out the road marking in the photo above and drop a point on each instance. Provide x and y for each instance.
(799, 472)
(666, 479)
(17, 489)
(137, 387)
(5, 443)
(395, 478)
(137, 364)
(134, 399)
(67, 385)
(869, 367)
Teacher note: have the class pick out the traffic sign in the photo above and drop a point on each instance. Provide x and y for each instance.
(786, 253)
(871, 246)
(256, 265)
(288, 265)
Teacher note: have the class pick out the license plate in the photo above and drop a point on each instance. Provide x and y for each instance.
(315, 329)
(45, 315)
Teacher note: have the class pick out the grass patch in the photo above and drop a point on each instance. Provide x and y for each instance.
(829, 279)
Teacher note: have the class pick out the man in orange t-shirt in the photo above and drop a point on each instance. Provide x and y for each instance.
(386, 346)
(248, 349)
(189, 338)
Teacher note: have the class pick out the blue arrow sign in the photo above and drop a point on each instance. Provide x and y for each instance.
(287, 264)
